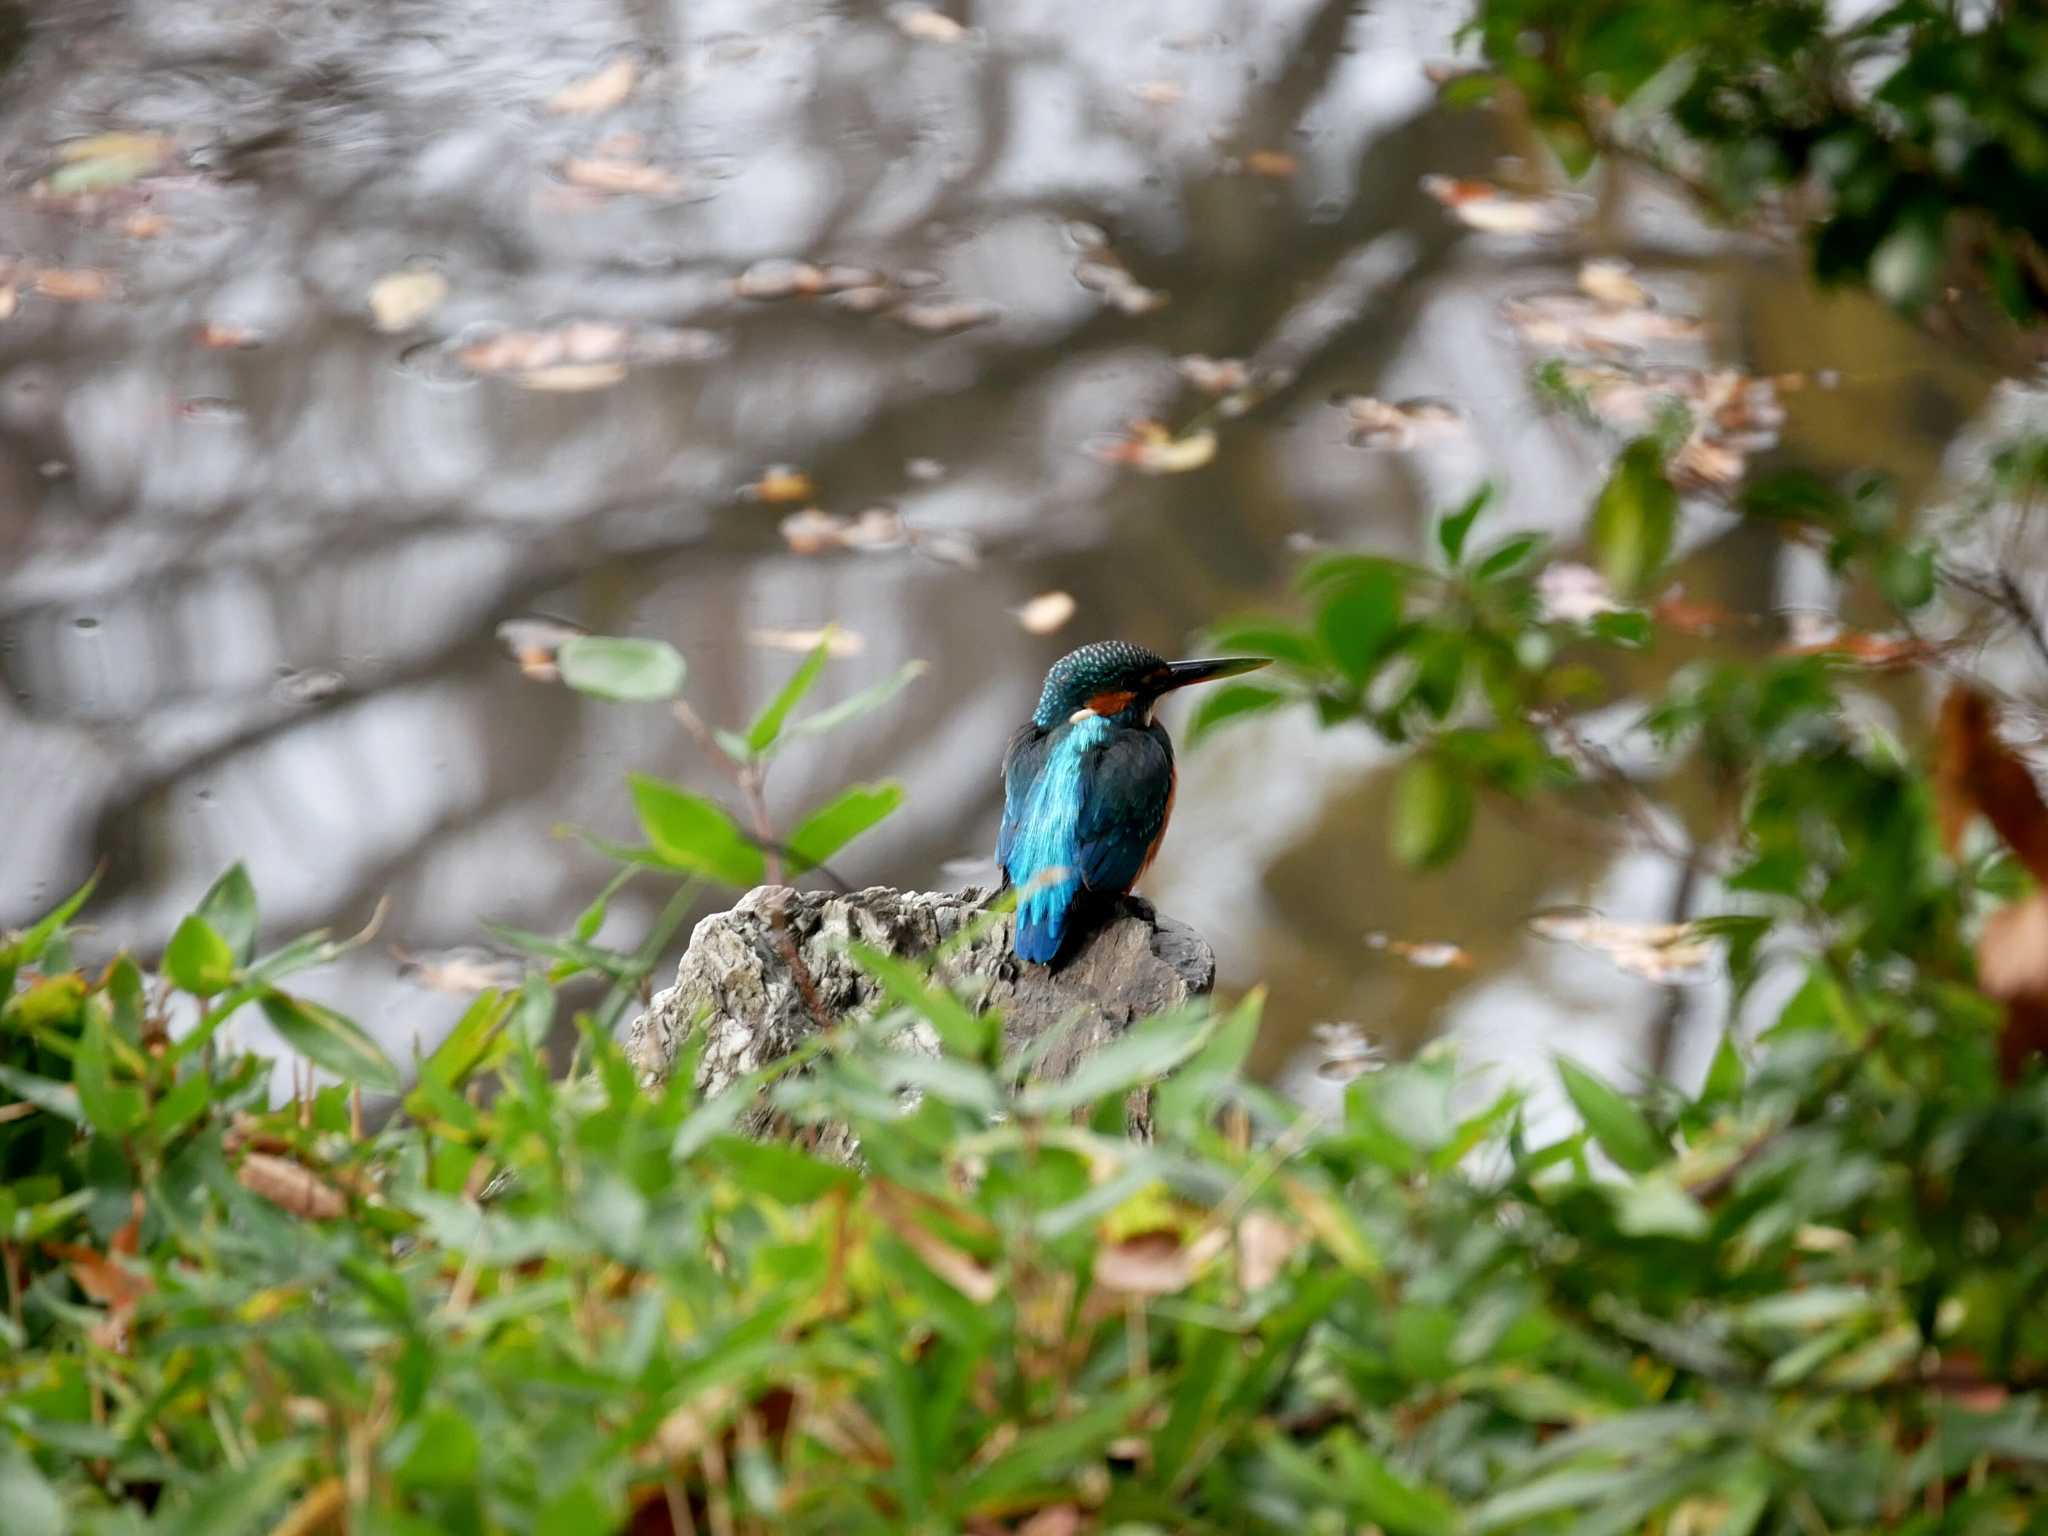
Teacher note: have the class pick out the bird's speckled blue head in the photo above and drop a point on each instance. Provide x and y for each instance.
(1106, 667)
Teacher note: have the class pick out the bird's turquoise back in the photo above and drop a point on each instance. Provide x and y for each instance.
(1040, 845)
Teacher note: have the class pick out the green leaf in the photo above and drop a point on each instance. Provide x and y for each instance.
(1906, 576)
(1658, 1206)
(838, 822)
(29, 947)
(1509, 556)
(534, 1013)
(1635, 519)
(198, 959)
(1906, 265)
(437, 1450)
(1195, 1086)
(229, 906)
(1266, 637)
(114, 1108)
(234, 1500)
(1725, 1075)
(693, 833)
(1432, 812)
(961, 1031)
(32, 1505)
(626, 671)
(768, 724)
(47, 1094)
(1232, 701)
(1453, 527)
(1381, 1495)
(1359, 618)
(779, 1172)
(1613, 1119)
(326, 1038)
(1152, 1048)
(867, 700)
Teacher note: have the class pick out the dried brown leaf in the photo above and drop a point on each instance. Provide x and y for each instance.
(533, 642)
(324, 1508)
(780, 483)
(944, 317)
(75, 285)
(1150, 447)
(616, 176)
(1047, 613)
(1491, 210)
(1274, 164)
(1673, 954)
(1976, 772)
(1613, 283)
(1264, 1245)
(597, 93)
(401, 300)
(1425, 956)
(1155, 1263)
(1215, 375)
(926, 25)
(466, 969)
(290, 1186)
(1401, 425)
(965, 1273)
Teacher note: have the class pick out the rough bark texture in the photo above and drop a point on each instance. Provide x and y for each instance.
(737, 977)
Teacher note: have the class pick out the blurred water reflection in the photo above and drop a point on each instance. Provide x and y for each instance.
(247, 593)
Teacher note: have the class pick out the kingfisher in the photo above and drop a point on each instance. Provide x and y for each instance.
(1088, 783)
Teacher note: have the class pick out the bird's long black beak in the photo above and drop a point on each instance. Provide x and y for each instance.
(1182, 674)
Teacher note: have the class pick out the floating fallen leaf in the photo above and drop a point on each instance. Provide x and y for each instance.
(1101, 273)
(1693, 616)
(1046, 613)
(570, 378)
(1671, 953)
(401, 300)
(1817, 634)
(220, 337)
(1731, 414)
(925, 470)
(1347, 1052)
(619, 177)
(839, 643)
(1401, 425)
(581, 354)
(1215, 375)
(812, 532)
(533, 643)
(1613, 283)
(1567, 320)
(925, 24)
(1435, 956)
(1492, 210)
(1274, 164)
(212, 410)
(1264, 1245)
(1155, 1263)
(290, 1186)
(1150, 447)
(943, 317)
(308, 685)
(599, 92)
(10, 300)
(1977, 773)
(77, 285)
(143, 225)
(467, 969)
(1159, 93)
(105, 162)
(780, 483)
(781, 277)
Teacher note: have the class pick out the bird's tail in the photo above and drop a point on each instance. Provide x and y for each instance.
(1042, 921)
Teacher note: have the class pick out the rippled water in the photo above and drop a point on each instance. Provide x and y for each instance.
(253, 549)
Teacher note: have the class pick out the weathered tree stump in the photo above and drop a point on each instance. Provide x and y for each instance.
(736, 977)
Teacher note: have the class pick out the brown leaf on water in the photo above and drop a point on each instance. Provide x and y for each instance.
(944, 317)
(142, 224)
(780, 483)
(1694, 616)
(815, 532)
(616, 176)
(1673, 954)
(533, 642)
(1347, 1051)
(838, 642)
(1613, 283)
(1975, 772)
(217, 336)
(1812, 634)
(1101, 272)
(571, 378)
(1273, 164)
(1155, 1263)
(75, 285)
(1215, 375)
(465, 969)
(581, 354)
(10, 300)
(1572, 321)
(1151, 448)
(1425, 956)
(290, 1186)
(1401, 425)
(401, 300)
(1159, 93)
(597, 93)
(1047, 613)
(926, 25)
(1493, 210)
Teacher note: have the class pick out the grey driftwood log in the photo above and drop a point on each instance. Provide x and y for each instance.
(736, 977)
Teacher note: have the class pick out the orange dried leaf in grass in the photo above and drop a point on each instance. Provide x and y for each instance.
(1156, 1263)
(290, 1186)
(961, 1270)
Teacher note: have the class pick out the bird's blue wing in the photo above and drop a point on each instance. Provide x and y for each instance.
(1128, 796)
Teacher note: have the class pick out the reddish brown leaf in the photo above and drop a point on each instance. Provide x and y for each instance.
(1976, 772)
(290, 1186)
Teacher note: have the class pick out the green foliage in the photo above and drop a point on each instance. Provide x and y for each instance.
(1909, 138)
(628, 671)
(1811, 1295)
